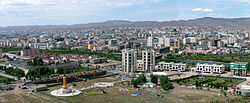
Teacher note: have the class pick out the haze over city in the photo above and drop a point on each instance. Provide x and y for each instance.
(58, 12)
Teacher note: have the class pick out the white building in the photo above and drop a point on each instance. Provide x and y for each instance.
(161, 42)
(167, 42)
(184, 41)
(247, 35)
(192, 39)
(219, 44)
(150, 41)
(129, 60)
(171, 66)
(164, 42)
(59, 44)
(209, 68)
(148, 58)
(112, 42)
(67, 41)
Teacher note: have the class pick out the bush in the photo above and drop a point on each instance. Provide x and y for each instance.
(154, 79)
(165, 83)
(40, 72)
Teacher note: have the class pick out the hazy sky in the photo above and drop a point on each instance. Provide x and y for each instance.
(42, 12)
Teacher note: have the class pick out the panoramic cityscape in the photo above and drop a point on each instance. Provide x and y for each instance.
(124, 51)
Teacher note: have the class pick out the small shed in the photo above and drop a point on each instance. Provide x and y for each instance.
(149, 85)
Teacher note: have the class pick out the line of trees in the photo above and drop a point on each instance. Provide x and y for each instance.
(13, 71)
(46, 72)
(39, 72)
(7, 49)
(164, 81)
(6, 80)
(208, 82)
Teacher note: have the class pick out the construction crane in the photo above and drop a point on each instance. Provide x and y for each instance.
(70, 74)
(94, 73)
(57, 80)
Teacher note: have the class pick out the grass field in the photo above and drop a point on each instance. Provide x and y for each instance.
(208, 81)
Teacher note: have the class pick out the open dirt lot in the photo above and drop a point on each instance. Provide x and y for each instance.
(114, 95)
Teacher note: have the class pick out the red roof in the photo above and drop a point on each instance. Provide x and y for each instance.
(233, 87)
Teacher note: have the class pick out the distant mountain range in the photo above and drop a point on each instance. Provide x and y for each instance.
(243, 23)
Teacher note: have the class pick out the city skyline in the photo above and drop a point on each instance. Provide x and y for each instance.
(61, 12)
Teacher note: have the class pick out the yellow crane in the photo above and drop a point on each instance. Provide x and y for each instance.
(58, 76)
(57, 80)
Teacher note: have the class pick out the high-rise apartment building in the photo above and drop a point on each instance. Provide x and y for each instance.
(129, 60)
(148, 58)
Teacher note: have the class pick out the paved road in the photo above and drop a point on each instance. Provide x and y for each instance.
(8, 76)
(243, 83)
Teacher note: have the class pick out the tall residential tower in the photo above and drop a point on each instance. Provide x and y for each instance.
(129, 60)
(148, 58)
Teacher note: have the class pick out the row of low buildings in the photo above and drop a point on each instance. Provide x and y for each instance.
(50, 58)
(181, 67)
(171, 66)
(209, 68)
(131, 64)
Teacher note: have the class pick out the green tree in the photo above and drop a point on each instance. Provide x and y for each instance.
(227, 68)
(154, 79)
(225, 94)
(134, 83)
(142, 79)
(165, 83)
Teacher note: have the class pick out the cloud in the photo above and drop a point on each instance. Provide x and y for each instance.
(202, 10)
(28, 12)
(155, 1)
(118, 4)
(243, 1)
(15, 4)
